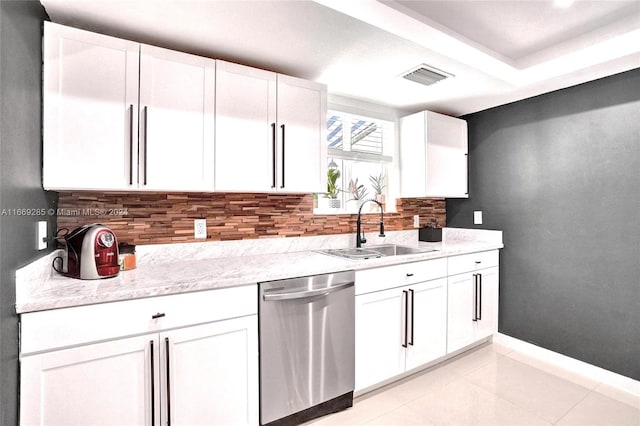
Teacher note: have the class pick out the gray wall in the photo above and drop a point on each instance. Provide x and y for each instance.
(560, 175)
(20, 173)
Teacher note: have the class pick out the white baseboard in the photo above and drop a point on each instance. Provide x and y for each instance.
(607, 377)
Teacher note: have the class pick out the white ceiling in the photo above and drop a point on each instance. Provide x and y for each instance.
(498, 51)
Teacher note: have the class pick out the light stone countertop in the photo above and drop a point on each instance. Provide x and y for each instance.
(37, 288)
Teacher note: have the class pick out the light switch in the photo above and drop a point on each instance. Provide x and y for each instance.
(41, 235)
(416, 221)
(477, 217)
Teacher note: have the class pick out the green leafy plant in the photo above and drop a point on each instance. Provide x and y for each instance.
(332, 183)
(357, 192)
(377, 183)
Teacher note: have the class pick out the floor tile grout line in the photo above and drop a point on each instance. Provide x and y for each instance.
(614, 398)
(545, 373)
(572, 407)
(482, 365)
(403, 399)
(389, 388)
(512, 403)
(552, 366)
(369, 420)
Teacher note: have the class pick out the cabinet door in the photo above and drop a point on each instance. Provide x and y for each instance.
(379, 337)
(213, 373)
(413, 156)
(176, 120)
(83, 385)
(90, 99)
(428, 329)
(488, 294)
(460, 314)
(446, 156)
(302, 144)
(245, 141)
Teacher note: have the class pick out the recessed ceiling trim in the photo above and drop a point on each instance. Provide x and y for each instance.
(395, 22)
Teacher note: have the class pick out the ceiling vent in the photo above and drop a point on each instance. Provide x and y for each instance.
(426, 75)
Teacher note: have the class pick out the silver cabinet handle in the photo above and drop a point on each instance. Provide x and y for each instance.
(146, 119)
(273, 155)
(153, 400)
(412, 293)
(166, 344)
(480, 297)
(475, 297)
(405, 297)
(282, 185)
(131, 144)
(307, 293)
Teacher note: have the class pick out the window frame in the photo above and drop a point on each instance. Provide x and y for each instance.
(388, 159)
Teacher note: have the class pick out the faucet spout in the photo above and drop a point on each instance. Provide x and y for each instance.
(360, 238)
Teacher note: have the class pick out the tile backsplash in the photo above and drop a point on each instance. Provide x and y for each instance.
(159, 218)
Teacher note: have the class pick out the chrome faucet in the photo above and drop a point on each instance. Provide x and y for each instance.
(360, 239)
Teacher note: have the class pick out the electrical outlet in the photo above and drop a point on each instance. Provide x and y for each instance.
(41, 235)
(416, 221)
(200, 228)
(477, 217)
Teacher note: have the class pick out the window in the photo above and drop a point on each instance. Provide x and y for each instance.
(359, 159)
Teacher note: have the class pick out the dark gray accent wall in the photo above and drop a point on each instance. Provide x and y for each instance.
(20, 174)
(560, 175)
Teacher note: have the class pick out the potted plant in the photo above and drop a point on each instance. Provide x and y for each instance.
(333, 190)
(378, 185)
(356, 192)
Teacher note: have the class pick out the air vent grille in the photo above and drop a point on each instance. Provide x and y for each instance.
(426, 75)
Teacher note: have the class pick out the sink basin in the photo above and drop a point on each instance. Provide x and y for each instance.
(376, 251)
(353, 253)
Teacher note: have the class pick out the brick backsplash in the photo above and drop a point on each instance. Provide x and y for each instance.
(157, 218)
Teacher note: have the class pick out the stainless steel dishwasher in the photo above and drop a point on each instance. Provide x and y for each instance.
(307, 347)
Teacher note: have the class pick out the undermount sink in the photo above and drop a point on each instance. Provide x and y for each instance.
(376, 251)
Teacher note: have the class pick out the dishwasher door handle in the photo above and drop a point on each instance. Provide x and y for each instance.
(307, 293)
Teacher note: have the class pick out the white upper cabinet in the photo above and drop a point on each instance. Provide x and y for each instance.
(176, 120)
(302, 118)
(90, 119)
(433, 156)
(119, 115)
(245, 157)
(270, 132)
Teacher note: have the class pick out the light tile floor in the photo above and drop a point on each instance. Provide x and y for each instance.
(492, 385)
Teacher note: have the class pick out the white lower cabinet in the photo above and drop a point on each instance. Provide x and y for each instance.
(81, 386)
(460, 312)
(379, 337)
(412, 314)
(400, 328)
(472, 313)
(429, 323)
(210, 374)
(205, 374)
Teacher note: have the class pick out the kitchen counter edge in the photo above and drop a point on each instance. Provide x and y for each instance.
(59, 292)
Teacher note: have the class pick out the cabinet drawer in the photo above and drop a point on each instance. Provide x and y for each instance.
(472, 262)
(59, 328)
(376, 279)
